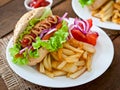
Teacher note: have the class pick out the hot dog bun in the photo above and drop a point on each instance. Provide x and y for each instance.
(20, 27)
(23, 21)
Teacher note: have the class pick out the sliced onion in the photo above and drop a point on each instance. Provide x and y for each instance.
(43, 32)
(51, 30)
(87, 26)
(22, 50)
(63, 17)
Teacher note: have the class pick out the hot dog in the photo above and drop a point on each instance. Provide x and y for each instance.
(38, 23)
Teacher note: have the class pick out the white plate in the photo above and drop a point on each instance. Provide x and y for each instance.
(101, 61)
(84, 13)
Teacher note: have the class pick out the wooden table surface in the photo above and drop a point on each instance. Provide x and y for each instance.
(14, 9)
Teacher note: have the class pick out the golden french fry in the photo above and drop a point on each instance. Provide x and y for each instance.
(66, 45)
(78, 73)
(61, 65)
(49, 62)
(89, 62)
(55, 64)
(58, 73)
(64, 56)
(72, 60)
(117, 6)
(55, 56)
(85, 54)
(80, 63)
(49, 74)
(73, 42)
(46, 64)
(60, 54)
(107, 6)
(42, 68)
(67, 51)
(108, 14)
(88, 47)
(70, 67)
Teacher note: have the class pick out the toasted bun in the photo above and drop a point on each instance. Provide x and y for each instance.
(97, 4)
(23, 21)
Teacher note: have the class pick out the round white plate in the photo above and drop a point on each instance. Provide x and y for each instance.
(85, 13)
(101, 61)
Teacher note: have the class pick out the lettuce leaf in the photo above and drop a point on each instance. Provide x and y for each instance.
(20, 60)
(86, 2)
(55, 42)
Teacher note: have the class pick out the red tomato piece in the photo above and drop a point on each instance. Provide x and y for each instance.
(18, 55)
(59, 25)
(47, 36)
(25, 42)
(45, 3)
(38, 2)
(78, 35)
(92, 38)
(90, 23)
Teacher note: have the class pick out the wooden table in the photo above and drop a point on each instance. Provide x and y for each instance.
(14, 9)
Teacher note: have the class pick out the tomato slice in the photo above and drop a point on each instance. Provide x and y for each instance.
(25, 42)
(78, 35)
(90, 23)
(92, 38)
(59, 25)
(18, 55)
(47, 36)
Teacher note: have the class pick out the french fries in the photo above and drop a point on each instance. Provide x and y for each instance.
(109, 12)
(71, 61)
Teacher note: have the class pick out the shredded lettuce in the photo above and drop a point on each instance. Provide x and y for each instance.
(55, 42)
(86, 2)
(33, 53)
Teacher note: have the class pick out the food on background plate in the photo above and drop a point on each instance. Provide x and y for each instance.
(52, 44)
(105, 10)
(39, 3)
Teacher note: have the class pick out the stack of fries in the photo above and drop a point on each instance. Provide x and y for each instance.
(72, 60)
(109, 12)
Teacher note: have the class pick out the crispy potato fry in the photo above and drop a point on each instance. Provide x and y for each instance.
(47, 64)
(85, 55)
(70, 67)
(67, 52)
(55, 64)
(66, 45)
(80, 63)
(60, 54)
(78, 73)
(61, 65)
(59, 73)
(88, 47)
(117, 6)
(41, 68)
(55, 56)
(71, 60)
(49, 74)
(89, 62)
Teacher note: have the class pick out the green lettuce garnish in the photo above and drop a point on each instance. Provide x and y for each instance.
(20, 60)
(55, 42)
(86, 2)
